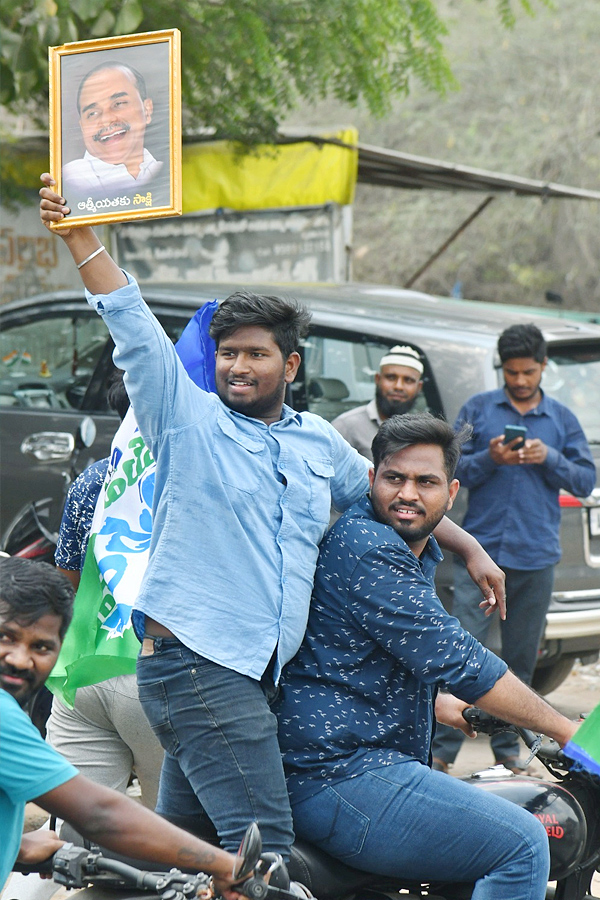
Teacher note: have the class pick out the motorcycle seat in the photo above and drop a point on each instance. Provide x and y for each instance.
(329, 878)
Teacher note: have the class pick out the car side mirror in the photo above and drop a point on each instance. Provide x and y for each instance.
(86, 433)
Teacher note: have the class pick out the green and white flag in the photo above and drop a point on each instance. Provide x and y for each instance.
(100, 642)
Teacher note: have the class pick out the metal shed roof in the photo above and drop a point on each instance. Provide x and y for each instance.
(391, 168)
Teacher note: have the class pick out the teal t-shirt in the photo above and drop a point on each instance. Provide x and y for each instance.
(28, 768)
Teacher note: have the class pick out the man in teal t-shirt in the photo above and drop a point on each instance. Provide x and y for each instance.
(29, 767)
(36, 605)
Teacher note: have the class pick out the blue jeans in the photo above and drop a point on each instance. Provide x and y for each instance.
(528, 596)
(222, 758)
(406, 821)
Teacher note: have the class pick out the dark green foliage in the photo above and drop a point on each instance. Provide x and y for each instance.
(246, 63)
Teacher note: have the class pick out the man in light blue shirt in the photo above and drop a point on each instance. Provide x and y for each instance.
(242, 499)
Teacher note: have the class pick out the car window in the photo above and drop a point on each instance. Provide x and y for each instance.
(95, 398)
(339, 370)
(572, 376)
(47, 363)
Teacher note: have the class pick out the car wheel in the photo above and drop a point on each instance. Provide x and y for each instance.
(548, 678)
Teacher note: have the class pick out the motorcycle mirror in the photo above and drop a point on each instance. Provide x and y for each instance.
(250, 850)
(86, 433)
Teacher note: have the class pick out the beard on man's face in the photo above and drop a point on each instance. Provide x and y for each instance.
(388, 408)
(18, 683)
(255, 406)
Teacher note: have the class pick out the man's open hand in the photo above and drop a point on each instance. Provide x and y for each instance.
(490, 579)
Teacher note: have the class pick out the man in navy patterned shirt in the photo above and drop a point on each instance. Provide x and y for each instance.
(356, 713)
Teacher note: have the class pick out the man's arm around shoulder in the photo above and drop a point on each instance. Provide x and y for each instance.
(489, 578)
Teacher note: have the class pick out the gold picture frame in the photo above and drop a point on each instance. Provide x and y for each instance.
(115, 127)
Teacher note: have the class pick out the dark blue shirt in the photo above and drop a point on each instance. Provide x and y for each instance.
(513, 510)
(77, 517)
(360, 690)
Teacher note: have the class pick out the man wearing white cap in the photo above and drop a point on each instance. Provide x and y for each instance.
(397, 386)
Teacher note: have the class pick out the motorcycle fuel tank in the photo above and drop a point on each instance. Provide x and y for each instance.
(558, 811)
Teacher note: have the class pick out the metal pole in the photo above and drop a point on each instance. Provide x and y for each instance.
(447, 243)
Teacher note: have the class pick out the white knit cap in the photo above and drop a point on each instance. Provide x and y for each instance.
(403, 356)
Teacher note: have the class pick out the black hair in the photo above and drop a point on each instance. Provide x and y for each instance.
(114, 64)
(116, 395)
(286, 318)
(30, 590)
(522, 341)
(399, 432)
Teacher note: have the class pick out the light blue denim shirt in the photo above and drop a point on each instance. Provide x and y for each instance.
(240, 507)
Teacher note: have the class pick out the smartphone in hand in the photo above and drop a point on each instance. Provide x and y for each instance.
(515, 431)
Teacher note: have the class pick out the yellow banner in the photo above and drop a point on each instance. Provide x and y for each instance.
(215, 174)
(269, 176)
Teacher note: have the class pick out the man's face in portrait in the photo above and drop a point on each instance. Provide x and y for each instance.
(113, 117)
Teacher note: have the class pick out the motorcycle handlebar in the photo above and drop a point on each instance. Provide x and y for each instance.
(487, 724)
(484, 722)
(41, 868)
(75, 867)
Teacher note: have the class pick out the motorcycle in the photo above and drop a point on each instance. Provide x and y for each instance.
(100, 877)
(567, 803)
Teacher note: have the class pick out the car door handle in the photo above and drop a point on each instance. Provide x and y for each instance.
(49, 445)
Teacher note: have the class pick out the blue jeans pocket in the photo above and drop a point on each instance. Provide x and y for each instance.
(153, 698)
(329, 821)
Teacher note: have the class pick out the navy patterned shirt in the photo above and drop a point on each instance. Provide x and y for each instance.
(77, 516)
(359, 693)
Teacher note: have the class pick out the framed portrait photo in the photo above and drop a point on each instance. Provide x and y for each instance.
(115, 127)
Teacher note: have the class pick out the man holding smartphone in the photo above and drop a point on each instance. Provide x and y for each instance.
(525, 448)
